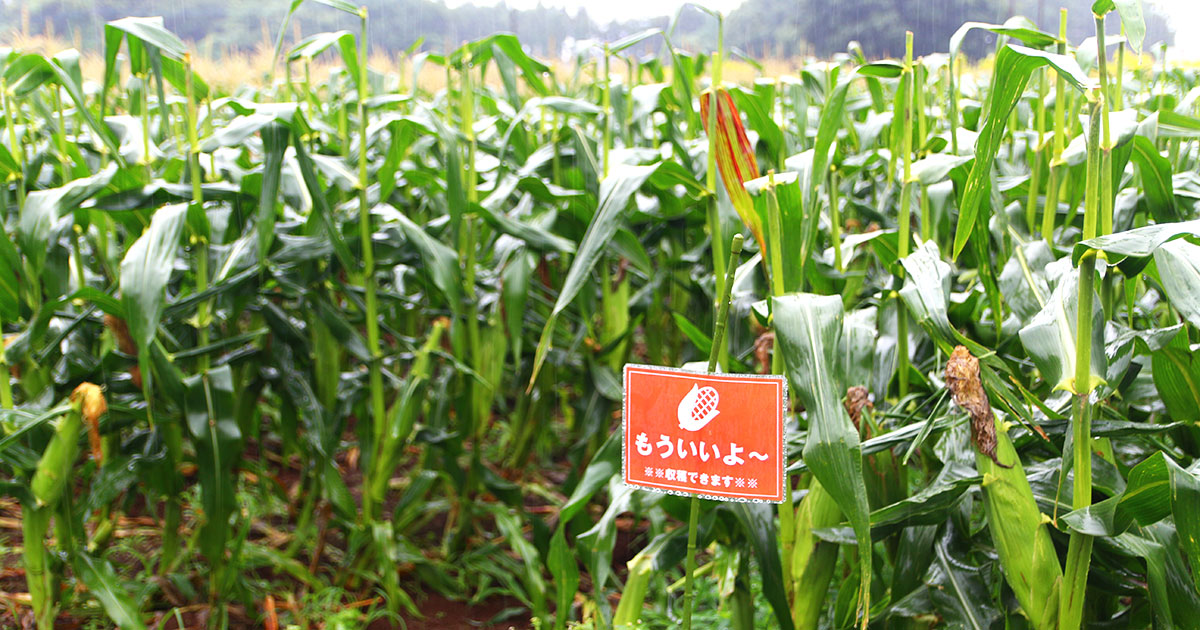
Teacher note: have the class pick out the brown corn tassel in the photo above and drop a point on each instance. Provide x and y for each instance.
(966, 388)
(857, 399)
(125, 343)
(763, 347)
(120, 331)
(92, 406)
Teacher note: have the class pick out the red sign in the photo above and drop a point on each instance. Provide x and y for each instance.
(719, 436)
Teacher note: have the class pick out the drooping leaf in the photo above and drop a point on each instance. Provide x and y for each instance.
(808, 329)
(275, 143)
(102, 582)
(146, 269)
(1131, 17)
(1014, 64)
(1178, 264)
(615, 193)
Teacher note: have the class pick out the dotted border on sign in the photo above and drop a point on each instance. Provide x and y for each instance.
(683, 493)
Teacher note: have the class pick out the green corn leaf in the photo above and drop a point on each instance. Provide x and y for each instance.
(1050, 336)
(30, 71)
(1014, 64)
(1178, 264)
(440, 260)
(8, 164)
(275, 144)
(536, 237)
(601, 539)
(313, 45)
(148, 40)
(1131, 17)
(1156, 488)
(1176, 371)
(341, 5)
(605, 464)
(1172, 596)
(633, 40)
(758, 524)
(43, 208)
(661, 552)
(1175, 125)
(150, 31)
(321, 206)
(827, 129)
(809, 328)
(615, 193)
(209, 412)
(1017, 27)
(146, 269)
(929, 506)
(562, 565)
(882, 70)
(1131, 250)
(960, 594)
(10, 263)
(1156, 172)
(102, 582)
(937, 167)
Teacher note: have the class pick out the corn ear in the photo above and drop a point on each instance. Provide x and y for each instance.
(642, 569)
(813, 559)
(1019, 533)
(54, 468)
(1017, 526)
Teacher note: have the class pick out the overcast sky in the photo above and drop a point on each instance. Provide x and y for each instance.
(1185, 14)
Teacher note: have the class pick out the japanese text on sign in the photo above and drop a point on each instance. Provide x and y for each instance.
(715, 435)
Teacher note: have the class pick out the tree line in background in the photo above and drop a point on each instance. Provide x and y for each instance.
(758, 28)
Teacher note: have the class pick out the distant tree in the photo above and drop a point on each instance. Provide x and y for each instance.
(784, 28)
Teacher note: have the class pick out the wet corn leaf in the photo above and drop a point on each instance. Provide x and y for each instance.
(808, 329)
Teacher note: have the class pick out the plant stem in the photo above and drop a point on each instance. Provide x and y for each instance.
(735, 249)
(952, 72)
(1119, 97)
(38, 576)
(835, 220)
(1080, 545)
(716, 234)
(1035, 177)
(787, 512)
(905, 215)
(1050, 212)
(378, 413)
(606, 105)
(1106, 208)
(15, 147)
(197, 206)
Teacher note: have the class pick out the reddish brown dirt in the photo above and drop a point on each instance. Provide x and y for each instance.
(446, 614)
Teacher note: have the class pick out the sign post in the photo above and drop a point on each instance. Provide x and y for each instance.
(713, 436)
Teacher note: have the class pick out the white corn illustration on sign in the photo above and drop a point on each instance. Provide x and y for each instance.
(698, 408)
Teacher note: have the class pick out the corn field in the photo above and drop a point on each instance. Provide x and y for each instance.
(315, 354)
